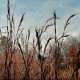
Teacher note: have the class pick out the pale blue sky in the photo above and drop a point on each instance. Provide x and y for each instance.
(38, 11)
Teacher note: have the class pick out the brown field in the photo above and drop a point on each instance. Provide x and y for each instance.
(25, 59)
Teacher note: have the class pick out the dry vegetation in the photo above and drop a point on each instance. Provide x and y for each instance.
(18, 61)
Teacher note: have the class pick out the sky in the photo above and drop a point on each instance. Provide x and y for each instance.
(38, 11)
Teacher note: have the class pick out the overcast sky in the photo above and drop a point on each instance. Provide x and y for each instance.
(38, 11)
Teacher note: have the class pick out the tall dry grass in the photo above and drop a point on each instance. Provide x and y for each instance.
(19, 62)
